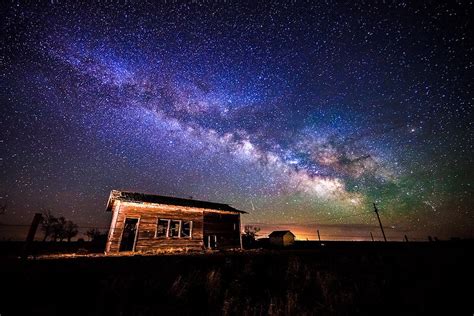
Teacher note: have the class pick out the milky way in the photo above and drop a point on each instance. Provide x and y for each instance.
(302, 114)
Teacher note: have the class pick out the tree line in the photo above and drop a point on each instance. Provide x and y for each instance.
(60, 229)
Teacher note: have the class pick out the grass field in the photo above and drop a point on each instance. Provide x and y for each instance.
(337, 279)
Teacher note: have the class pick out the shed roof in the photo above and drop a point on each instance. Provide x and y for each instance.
(168, 200)
(280, 233)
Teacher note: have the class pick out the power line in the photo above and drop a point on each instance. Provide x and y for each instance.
(28, 225)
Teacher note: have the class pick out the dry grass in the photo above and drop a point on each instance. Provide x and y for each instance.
(342, 282)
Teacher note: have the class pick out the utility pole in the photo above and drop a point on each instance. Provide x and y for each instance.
(380, 222)
(37, 219)
(33, 227)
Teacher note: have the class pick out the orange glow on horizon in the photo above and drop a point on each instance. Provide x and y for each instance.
(327, 232)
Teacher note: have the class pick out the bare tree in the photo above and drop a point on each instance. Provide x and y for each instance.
(59, 229)
(93, 234)
(48, 224)
(251, 231)
(249, 236)
(70, 230)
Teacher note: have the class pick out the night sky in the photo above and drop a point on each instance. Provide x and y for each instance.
(302, 114)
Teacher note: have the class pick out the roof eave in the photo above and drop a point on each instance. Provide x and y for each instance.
(117, 195)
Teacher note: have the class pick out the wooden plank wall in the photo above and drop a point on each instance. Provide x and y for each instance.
(149, 215)
(225, 226)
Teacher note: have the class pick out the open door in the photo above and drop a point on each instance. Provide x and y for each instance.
(129, 235)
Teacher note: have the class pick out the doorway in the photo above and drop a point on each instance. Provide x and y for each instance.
(129, 235)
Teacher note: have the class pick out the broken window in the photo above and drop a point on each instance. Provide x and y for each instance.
(186, 229)
(162, 228)
(175, 227)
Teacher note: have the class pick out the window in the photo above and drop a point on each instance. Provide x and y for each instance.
(186, 229)
(162, 228)
(174, 228)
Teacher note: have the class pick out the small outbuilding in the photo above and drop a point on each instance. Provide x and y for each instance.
(282, 238)
(145, 223)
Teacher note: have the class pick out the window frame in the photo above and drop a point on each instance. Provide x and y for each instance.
(168, 228)
(190, 229)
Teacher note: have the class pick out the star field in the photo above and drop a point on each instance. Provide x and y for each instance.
(302, 114)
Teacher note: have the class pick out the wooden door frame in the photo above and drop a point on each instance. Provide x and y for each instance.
(136, 232)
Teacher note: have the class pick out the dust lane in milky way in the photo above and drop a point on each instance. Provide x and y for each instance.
(302, 114)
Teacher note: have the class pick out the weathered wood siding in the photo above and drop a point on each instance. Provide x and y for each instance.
(148, 215)
(225, 226)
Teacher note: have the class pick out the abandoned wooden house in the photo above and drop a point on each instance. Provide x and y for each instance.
(147, 223)
(282, 238)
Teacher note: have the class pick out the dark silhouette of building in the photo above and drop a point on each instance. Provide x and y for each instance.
(282, 238)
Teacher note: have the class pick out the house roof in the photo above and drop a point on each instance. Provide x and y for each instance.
(280, 233)
(168, 200)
